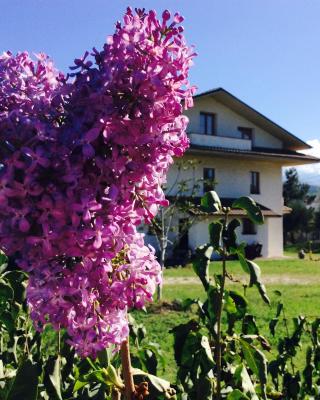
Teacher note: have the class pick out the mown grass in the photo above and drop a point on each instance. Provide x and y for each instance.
(299, 299)
(288, 267)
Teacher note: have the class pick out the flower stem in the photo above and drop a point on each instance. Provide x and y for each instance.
(127, 370)
(115, 395)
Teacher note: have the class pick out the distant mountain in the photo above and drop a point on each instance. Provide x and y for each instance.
(312, 177)
(310, 173)
(314, 189)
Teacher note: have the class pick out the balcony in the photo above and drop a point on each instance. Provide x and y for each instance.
(220, 141)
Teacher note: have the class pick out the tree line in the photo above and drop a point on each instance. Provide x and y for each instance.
(303, 222)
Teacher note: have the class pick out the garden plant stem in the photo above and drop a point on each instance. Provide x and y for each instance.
(127, 370)
(219, 313)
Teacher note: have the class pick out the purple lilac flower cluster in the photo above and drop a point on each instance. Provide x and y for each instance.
(82, 161)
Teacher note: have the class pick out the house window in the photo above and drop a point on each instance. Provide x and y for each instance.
(246, 133)
(208, 179)
(255, 182)
(207, 123)
(248, 227)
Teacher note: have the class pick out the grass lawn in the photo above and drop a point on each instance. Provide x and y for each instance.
(302, 298)
(289, 267)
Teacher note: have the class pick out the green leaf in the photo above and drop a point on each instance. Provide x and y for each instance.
(213, 303)
(215, 231)
(201, 262)
(229, 304)
(18, 282)
(237, 395)
(249, 205)
(254, 271)
(3, 262)
(137, 331)
(25, 385)
(279, 309)
(6, 292)
(240, 302)
(210, 202)
(206, 358)
(79, 385)
(229, 236)
(249, 325)
(272, 325)
(7, 320)
(204, 388)
(95, 376)
(181, 333)
(112, 378)
(257, 362)
(292, 384)
(52, 379)
(243, 380)
(155, 348)
(314, 330)
(161, 385)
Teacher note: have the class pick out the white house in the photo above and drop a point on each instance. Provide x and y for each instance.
(244, 152)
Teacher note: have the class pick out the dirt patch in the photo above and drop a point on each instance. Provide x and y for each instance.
(267, 279)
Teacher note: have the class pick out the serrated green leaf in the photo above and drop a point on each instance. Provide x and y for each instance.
(249, 205)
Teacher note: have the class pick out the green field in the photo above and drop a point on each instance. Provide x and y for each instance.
(299, 282)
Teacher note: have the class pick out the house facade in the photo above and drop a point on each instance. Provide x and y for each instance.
(243, 152)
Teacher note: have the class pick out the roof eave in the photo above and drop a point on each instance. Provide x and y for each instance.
(297, 143)
(284, 159)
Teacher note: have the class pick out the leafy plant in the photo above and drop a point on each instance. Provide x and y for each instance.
(222, 354)
(44, 366)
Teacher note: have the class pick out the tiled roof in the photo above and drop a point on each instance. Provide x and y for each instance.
(194, 208)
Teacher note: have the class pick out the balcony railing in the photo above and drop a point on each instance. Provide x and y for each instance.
(220, 141)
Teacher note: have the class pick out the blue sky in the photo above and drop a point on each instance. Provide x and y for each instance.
(265, 52)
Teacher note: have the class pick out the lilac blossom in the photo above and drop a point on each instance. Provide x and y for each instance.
(82, 161)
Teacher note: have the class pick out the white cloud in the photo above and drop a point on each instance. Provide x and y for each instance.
(310, 173)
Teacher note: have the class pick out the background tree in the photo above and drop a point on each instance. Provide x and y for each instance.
(296, 195)
(174, 221)
(317, 220)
